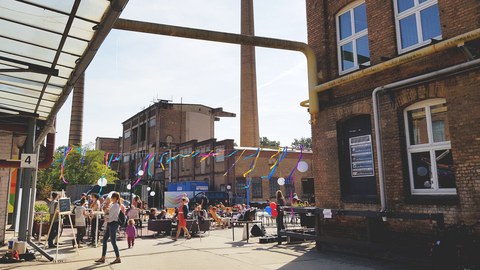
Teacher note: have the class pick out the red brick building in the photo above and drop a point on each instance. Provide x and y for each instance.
(424, 54)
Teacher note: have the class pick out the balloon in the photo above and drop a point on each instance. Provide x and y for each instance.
(281, 181)
(129, 186)
(268, 209)
(149, 188)
(152, 193)
(102, 182)
(140, 172)
(302, 166)
(273, 207)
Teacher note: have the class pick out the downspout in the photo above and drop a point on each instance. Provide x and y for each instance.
(402, 59)
(446, 72)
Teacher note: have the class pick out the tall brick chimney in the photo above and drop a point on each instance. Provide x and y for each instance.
(249, 133)
(76, 119)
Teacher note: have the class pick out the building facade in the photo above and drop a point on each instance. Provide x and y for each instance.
(429, 137)
(161, 127)
(225, 169)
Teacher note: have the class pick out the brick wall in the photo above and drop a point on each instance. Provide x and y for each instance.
(5, 153)
(343, 102)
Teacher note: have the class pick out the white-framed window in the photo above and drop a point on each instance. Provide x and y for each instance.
(126, 134)
(220, 151)
(417, 22)
(126, 158)
(429, 151)
(152, 122)
(352, 37)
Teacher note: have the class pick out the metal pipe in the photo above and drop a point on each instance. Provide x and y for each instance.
(177, 31)
(402, 59)
(446, 72)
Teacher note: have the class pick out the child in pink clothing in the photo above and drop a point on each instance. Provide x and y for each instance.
(131, 232)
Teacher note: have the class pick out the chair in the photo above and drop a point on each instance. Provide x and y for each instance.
(216, 218)
(171, 212)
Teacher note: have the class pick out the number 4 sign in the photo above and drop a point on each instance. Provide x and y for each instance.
(28, 161)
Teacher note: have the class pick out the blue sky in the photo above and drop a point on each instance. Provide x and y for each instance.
(132, 69)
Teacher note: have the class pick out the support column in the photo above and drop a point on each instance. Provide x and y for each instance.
(249, 132)
(27, 174)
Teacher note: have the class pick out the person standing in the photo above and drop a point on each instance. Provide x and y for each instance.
(111, 214)
(181, 219)
(131, 232)
(80, 216)
(204, 201)
(94, 207)
(54, 213)
(280, 202)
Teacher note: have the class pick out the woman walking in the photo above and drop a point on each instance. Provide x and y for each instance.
(181, 219)
(111, 215)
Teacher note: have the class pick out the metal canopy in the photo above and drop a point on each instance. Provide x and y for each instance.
(44, 47)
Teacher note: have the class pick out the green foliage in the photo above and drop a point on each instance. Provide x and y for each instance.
(41, 207)
(306, 142)
(74, 171)
(266, 143)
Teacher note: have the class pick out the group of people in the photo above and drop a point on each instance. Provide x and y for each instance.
(113, 209)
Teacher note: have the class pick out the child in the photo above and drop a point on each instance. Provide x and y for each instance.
(131, 232)
(80, 215)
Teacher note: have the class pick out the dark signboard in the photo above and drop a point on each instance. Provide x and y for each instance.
(64, 205)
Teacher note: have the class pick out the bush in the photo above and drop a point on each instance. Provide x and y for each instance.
(41, 207)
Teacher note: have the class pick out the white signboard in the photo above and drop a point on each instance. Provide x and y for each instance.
(28, 161)
(361, 156)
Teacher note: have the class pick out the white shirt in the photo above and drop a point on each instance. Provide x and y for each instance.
(79, 216)
(113, 212)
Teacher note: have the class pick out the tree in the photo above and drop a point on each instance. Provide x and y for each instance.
(266, 143)
(74, 171)
(306, 142)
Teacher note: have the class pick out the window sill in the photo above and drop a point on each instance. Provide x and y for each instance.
(361, 199)
(433, 199)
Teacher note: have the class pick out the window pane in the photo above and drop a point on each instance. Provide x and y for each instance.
(274, 186)
(446, 176)
(417, 123)
(422, 1)
(440, 123)
(345, 25)
(404, 5)
(408, 31)
(257, 188)
(430, 22)
(363, 53)
(347, 56)
(421, 167)
(360, 17)
(240, 187)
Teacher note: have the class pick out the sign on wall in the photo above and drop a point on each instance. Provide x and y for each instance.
(28, 161)
(361, 156)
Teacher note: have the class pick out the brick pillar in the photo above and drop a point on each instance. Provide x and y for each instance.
(5, 153)
(248, 83)
(76, 119)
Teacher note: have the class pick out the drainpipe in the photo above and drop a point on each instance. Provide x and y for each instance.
(402, 59)
(443, 73)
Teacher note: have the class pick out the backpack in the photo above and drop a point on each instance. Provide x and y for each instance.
(121, 218)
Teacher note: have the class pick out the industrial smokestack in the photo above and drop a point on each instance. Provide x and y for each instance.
(76, 119)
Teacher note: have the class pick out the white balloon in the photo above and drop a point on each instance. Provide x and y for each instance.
(129, 186)
(302, 166)
(281, 181)
(140, 172)
(149, 188)
(102, 182)
(152, 193)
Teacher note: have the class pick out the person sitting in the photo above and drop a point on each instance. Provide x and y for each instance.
(162, 215)
(199, 213)
(153, 214)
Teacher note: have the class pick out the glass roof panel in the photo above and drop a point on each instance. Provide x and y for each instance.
(19, 48)
(29, 34)
(28, 92)
(25, 99)
(74, 46)
(89, 9)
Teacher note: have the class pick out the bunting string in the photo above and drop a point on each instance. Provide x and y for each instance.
(225, 174)
(253, 164)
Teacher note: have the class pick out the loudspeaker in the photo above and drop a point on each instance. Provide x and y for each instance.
(257, 231)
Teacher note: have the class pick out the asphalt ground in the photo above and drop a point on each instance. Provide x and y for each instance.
(213, 250)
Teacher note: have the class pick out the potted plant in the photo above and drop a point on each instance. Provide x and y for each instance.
(41, 217)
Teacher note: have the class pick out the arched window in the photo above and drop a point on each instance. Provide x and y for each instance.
(352, 37)
(430, 158)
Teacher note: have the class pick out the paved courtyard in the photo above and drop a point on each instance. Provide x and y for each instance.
(213, 250)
